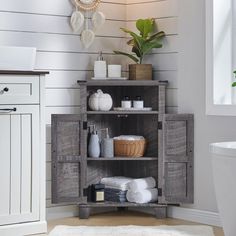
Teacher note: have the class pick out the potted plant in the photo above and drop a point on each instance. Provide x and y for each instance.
(142, 44)
(234, 83)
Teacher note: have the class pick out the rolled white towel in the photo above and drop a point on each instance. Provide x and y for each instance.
(142, 183)
(143, 196)
(118, 182)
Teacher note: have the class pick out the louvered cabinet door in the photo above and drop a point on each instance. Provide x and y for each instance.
(68, 158)
(176, 158)
(19, 164)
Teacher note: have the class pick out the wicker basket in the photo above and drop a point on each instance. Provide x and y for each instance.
(128, 148)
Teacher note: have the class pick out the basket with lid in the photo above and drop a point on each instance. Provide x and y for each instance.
(129, 146)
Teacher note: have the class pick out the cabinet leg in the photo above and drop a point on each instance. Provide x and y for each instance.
(84, 212)
(160, 212)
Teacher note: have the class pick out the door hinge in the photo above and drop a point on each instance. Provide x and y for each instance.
(159, 125)
(85, 192)
(85, 125)
(159, 192)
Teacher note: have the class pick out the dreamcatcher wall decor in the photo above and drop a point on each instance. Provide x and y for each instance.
(87, 17)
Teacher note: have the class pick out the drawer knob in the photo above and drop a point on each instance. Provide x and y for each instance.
(6, 89)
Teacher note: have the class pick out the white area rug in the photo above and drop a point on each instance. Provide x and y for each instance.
(132, 231)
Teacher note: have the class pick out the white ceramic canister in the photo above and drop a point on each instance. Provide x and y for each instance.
(138, 103)
(126, 103)
(114, 71)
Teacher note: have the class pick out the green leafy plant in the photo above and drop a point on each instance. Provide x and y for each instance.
(234, 83)
(144, 42)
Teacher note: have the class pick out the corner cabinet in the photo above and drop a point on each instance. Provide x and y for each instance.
(22, 145)
(169, 155)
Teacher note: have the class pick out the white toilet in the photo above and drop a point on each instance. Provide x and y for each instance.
(224, 173)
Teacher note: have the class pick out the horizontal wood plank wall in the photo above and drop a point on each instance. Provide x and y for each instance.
(45, 25)
(164, 60)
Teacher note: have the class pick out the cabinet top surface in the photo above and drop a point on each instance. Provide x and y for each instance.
(123, 82)
(20, 72)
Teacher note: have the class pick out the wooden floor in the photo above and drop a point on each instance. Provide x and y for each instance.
(123, 218)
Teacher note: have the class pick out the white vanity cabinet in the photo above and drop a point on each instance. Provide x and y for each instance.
(22, 153)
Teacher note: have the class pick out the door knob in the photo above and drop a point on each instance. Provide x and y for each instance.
(5, 90)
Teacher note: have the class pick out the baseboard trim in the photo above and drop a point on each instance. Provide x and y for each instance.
(198, 216)
(38, 227)
(59, 212)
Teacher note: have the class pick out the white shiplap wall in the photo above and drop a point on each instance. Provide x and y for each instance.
(45, 25)
(164, 60)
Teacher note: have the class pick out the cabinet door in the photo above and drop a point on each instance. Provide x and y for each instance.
(176, 158)
(19, 164)
(68, 158)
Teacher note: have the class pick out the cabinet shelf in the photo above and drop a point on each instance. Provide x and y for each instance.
(123, 159)
(123, 83)
(121, 204)
(122, 112)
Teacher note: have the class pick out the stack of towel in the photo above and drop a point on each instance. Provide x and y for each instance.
(115, 195)
(121, 189)
(142, 190)
(116, 188)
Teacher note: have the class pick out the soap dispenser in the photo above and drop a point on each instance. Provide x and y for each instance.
(107, 145)
(94, 145)
(100, 67)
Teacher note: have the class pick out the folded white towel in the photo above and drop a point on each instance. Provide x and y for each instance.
(122, 188)
(143, 183)
(129, 137)
(143, 196)
(118, 182)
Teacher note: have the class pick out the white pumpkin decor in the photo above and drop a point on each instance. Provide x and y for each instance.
(100, 101)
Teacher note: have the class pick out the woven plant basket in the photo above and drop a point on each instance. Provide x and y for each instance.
(140, 72)
(128, 148)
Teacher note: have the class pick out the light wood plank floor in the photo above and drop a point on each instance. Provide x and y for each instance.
(122, 218)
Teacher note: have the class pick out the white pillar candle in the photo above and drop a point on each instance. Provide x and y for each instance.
(114, 71)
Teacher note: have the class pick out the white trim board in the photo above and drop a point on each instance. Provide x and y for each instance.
(70, 211)
(219, 65)
(194, 215)
(31, 228)
(61, 212)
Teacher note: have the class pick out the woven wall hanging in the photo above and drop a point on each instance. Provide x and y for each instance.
(88, 18)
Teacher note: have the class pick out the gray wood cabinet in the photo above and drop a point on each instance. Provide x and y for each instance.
(169, 155)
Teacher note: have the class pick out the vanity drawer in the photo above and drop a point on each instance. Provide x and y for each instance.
(17, 89)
